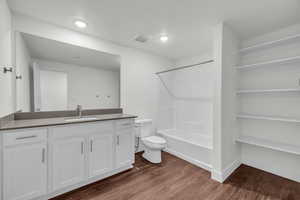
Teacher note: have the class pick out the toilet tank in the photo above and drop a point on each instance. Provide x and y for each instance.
(143, 127)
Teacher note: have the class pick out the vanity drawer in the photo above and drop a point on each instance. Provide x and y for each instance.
(82, 129)
(124, 123)
(24, 136)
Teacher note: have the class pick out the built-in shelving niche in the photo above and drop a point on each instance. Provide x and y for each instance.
(274, 92)
(270, 44)
(278, 146)
(268, 90)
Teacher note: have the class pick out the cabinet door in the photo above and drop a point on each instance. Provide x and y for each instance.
(68, 162)
(25, 171)
(101, 154)
(124, 147)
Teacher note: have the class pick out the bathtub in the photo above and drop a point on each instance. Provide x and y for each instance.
(192, 147)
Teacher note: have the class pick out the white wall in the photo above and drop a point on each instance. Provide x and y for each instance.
(6, 83)
(140, 87)
(195, 59)
(226, 152)
(275, 104)
(6, 80)
(87, 86)
(23, 68)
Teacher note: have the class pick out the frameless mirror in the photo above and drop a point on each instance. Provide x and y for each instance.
(52, 76)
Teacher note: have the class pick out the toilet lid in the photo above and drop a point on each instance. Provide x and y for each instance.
(155, 139)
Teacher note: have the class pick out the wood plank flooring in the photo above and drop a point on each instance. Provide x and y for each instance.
(176, 179)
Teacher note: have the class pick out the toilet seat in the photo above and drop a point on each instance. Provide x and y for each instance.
(154, 142)
(155, 139)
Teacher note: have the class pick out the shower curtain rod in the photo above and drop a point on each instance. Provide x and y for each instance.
(187, 66)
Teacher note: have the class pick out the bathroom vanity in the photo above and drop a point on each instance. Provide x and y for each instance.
(54, 148)
(42, 158)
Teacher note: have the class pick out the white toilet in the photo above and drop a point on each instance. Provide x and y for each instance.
(153, 144)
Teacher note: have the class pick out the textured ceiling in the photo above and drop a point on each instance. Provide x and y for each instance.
(188, 23)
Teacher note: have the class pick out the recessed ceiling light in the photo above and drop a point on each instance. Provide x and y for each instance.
(80, 24)
(164, 38)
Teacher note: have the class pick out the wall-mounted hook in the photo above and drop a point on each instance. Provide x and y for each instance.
(7, 69)
(19, 77)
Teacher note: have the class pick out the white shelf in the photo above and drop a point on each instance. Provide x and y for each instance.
(288, 148)
(272, 62)
(269, 44)
(268, 91)
(258, 117)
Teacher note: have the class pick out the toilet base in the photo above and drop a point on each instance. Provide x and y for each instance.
(152, 155)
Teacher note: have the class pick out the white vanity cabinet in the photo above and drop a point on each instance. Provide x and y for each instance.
(124, 143)
(100, 154)
(68, 162)
(40, 163)
(24, 164)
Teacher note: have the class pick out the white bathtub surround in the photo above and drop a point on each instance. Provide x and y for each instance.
(189, 116)
(192, 147)
(188, 137)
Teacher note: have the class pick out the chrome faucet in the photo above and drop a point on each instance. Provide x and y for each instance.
(79, 110)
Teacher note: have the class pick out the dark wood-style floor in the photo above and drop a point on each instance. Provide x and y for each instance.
(176, 179)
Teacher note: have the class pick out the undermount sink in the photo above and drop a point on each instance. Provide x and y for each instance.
(80, 119)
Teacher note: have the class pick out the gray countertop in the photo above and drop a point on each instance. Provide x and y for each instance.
(31, 123)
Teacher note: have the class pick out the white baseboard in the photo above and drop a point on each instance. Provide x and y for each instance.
(198, 163)
(255, 165)
(222, 176)
(230, 169)
(217, 176)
